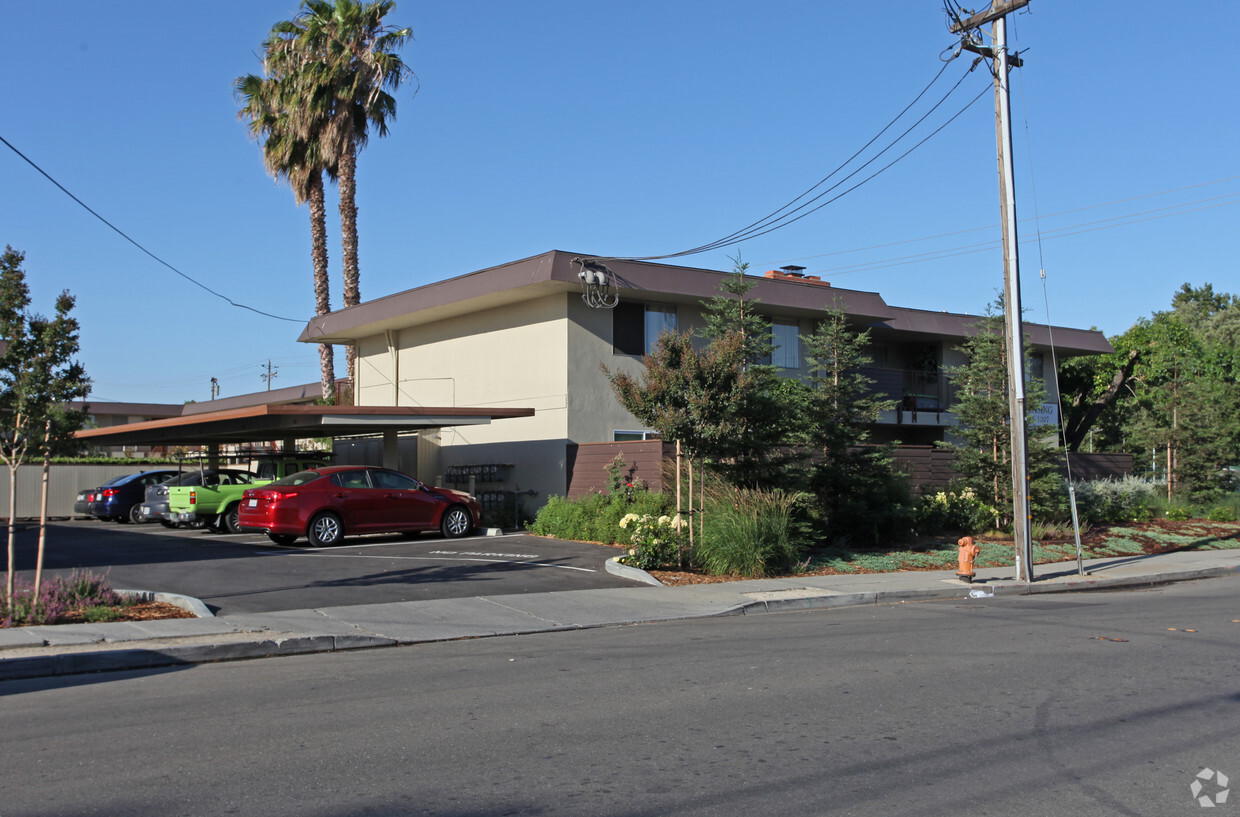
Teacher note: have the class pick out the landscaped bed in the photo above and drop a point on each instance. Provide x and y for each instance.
(1130, 539)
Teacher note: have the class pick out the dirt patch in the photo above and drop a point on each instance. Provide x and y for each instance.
(142, 611)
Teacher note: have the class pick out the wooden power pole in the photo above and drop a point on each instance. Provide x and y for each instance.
(1002, 63)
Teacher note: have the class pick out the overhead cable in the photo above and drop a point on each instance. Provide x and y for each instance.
(123, 235)
(786, 214)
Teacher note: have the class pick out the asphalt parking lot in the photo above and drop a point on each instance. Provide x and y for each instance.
(246, 573)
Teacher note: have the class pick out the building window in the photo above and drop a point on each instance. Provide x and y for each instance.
(786, 340)
(635, 328)
(1037, 368)
(630, 436)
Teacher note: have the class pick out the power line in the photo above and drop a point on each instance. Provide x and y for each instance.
(1060, 232)
(784, 215)
(1023, 221)
(123, 235)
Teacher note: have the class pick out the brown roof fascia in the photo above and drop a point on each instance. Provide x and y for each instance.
(436, 301)
(785, 295)
(130, 409)
(236, 416)
(953, 325)
(307, 391)
(556, 271)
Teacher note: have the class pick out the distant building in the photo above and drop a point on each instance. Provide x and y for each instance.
(102, 414)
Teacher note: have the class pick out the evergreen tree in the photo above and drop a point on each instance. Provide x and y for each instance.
(854, 481)
(983, 454)
(762, 424)
(733, 312)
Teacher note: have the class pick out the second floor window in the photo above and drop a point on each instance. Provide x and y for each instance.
(786, 340)
(636, 327)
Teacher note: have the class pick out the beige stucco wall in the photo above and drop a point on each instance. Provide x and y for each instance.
(510, 357)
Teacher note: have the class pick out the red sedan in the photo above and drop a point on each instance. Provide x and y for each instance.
(326, 504)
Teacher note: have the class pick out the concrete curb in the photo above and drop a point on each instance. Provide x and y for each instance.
(629, 572)
(189, 603)
(120, 646)
(181, 654)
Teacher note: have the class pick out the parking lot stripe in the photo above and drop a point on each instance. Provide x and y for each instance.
(320, 554)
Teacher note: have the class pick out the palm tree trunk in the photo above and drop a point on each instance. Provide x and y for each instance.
(322, 288)
(347, 170)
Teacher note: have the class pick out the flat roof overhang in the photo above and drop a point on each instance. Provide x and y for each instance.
(258, 423)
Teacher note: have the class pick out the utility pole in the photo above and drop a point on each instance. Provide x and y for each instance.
(272, 371)
(1002, 63)
(215, 387)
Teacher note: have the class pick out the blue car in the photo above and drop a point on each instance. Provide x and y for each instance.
(121, 499)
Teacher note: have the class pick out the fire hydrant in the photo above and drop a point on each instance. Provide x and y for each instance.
(968, 552)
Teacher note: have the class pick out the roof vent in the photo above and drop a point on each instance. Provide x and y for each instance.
(793, 270)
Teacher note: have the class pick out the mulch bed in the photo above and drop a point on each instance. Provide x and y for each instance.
(142, 611)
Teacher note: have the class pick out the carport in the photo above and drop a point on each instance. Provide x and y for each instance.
(290, 423)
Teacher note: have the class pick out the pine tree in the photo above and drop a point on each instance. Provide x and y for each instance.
(854, 481)
(983, 454)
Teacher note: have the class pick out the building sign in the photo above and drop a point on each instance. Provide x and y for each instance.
(1047, 415)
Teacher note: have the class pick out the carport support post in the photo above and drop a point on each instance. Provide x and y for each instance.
(213, 455)
(391, 449)
(288, 446)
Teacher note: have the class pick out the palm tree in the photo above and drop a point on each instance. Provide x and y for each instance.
(292, 152)
(344, 57)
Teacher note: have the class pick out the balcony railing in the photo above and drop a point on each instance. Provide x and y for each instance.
(920, 397)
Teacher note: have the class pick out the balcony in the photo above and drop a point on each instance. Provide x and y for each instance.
(921, 397)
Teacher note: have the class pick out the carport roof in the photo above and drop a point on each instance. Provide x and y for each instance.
(277, 422)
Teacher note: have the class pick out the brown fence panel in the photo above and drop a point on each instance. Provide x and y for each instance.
(587, 464)
(927, 466)
(1100, 466)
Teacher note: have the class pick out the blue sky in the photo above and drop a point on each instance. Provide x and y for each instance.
(618, 128)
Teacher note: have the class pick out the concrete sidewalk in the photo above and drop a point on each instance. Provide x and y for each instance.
(32, 652)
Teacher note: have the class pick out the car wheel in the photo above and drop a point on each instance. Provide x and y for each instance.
(456, 522)
(325, 530)
(228, 522)
(282, 538)
(135, 515)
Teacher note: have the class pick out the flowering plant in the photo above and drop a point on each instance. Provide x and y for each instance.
(957, 511)
(655, 540)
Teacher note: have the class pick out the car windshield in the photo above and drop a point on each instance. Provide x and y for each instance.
(300, 478)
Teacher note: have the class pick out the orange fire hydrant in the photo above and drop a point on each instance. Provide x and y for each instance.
(968, 552)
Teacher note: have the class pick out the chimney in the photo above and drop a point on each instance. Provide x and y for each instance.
(795, 273)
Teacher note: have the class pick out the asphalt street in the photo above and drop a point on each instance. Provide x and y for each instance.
(1098, 704)
(246, 573)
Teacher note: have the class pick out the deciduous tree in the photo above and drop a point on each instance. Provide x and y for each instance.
(38, 377)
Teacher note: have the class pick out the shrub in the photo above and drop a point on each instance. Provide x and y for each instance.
(656, 540)
(1116, 500)
(750, 532)
(1179, 513)
(960, 511)
(1221, 513)
(596, 517)
(58, 596)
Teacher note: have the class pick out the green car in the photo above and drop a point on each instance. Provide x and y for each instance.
(215, 506)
